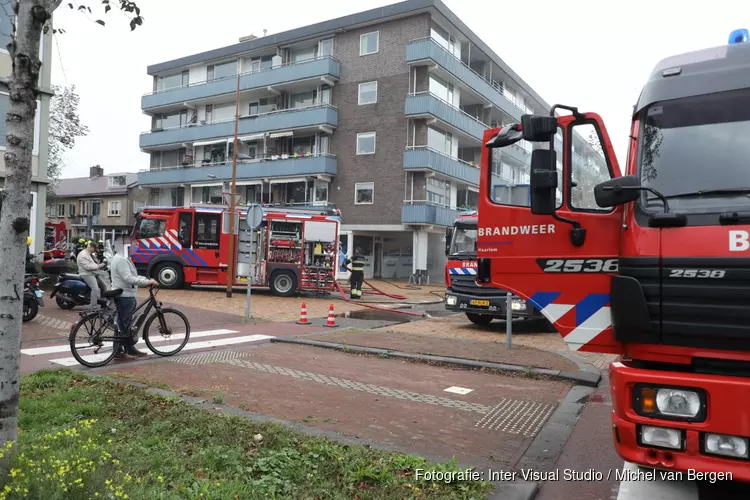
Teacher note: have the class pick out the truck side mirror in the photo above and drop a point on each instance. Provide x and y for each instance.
(543, 181)
(538, 128)
(448, 238)
(617, 191)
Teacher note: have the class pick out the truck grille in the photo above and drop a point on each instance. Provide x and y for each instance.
(467, 285)
(710, 310)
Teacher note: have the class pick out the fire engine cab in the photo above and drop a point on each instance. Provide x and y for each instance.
(652, 262)
(481, 304)
(295, 249)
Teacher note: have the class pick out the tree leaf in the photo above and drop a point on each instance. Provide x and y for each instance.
(99, 21)
(107, 9)
(70, 5)
(81, 7)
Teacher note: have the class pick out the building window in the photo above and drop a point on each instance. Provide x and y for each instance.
(368, 93)
(320, 193)
(113, 208)
(438, 191)
(369, 43)
(61, 210)
(325, 47)
(181, 79)
(364, 193)
(441, 141)
(366, 143)
(116, 181)
(221, 71)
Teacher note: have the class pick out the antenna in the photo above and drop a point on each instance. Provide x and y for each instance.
(264, 32)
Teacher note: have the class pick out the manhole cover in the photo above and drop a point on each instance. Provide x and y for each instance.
(517, 417)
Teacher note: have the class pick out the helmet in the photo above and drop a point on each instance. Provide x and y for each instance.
(28, 240)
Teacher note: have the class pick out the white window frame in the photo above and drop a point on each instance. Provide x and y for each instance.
(114, 213)
(363, 185)
(377, 43)
(359, 93)
(111, 178)
(374, 142)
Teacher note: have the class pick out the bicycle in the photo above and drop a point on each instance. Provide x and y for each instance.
(106, 317)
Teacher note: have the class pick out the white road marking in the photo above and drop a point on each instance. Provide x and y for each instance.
(36, 351)
(657, 489)
(458, 390)
(71, 361)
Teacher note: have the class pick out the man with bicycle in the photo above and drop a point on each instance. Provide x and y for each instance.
(125, 277)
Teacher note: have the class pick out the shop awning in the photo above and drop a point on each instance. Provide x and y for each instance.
(287, 180)
(254, 137)
(208, 143)
(206, 184)
(286, 133)
(256, 182)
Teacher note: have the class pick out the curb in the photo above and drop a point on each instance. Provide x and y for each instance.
(585, 378)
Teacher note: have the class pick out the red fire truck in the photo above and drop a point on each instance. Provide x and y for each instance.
(652, 265)
(462, 294)
(298, 247)
(55, 240)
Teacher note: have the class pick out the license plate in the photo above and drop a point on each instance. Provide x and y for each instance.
(484, 303)
(38, 293)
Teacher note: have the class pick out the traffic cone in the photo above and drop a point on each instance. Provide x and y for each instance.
(331, 318)
(303, 316)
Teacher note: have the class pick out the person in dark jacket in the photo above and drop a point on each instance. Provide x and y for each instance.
(358, 273)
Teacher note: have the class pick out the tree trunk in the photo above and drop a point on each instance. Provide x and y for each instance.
(31, 15)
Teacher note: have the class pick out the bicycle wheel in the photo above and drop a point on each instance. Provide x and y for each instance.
(177, 326)
(91, 328)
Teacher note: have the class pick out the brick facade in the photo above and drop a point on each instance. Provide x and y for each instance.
(385, 118)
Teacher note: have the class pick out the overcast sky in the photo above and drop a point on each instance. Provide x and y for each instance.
(574, 52)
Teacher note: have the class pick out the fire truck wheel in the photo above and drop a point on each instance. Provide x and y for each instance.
(169, 275)
(479, 319)
(283, 283)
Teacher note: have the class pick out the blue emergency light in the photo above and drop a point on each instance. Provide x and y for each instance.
(739, 36)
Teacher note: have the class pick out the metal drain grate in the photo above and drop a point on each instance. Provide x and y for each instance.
(517, 417)
(205, 358)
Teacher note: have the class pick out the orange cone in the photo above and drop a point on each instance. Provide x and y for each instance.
(303, 316)
(331, 318)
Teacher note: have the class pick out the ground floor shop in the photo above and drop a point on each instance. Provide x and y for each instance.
(396, 252)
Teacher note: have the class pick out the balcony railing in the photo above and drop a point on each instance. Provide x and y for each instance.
(425, 212)
(427, 48)
(427, 103)
(289, 72)
(423, 157)
(82, 220)
(281, 119)
(270, 166)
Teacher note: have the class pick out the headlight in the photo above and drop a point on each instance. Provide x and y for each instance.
(450, 300)
(518, 305)
(670, 403)
(661, 437)
(728, 446)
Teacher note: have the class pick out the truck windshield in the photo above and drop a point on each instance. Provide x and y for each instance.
(694, 150)
(149, 228)
(464, 241)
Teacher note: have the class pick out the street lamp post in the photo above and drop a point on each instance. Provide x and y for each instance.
(232, 230)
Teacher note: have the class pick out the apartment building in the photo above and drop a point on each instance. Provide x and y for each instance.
(99, 206)
(39, 180)
(380, 113)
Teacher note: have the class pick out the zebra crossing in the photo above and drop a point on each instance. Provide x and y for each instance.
(59, 354)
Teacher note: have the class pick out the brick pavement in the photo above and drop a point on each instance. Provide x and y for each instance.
(399, 404)
(459, 327)
(481, 350)
(268, 307)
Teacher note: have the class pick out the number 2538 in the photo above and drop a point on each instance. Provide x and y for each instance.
(580, 266)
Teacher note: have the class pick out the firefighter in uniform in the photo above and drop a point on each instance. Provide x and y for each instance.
(358, 273)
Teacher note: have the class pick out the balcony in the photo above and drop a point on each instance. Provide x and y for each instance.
(424, 158)
(428, 49)
(282, 119)
(424, 212)
(82, 220)
(315, 68)
(426, 104)
(246, 169)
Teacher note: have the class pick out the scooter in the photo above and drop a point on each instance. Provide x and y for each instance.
(33, 298)
(70, 289)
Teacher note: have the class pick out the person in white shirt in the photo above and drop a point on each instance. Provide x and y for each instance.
(125, 278)
(87, 269)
